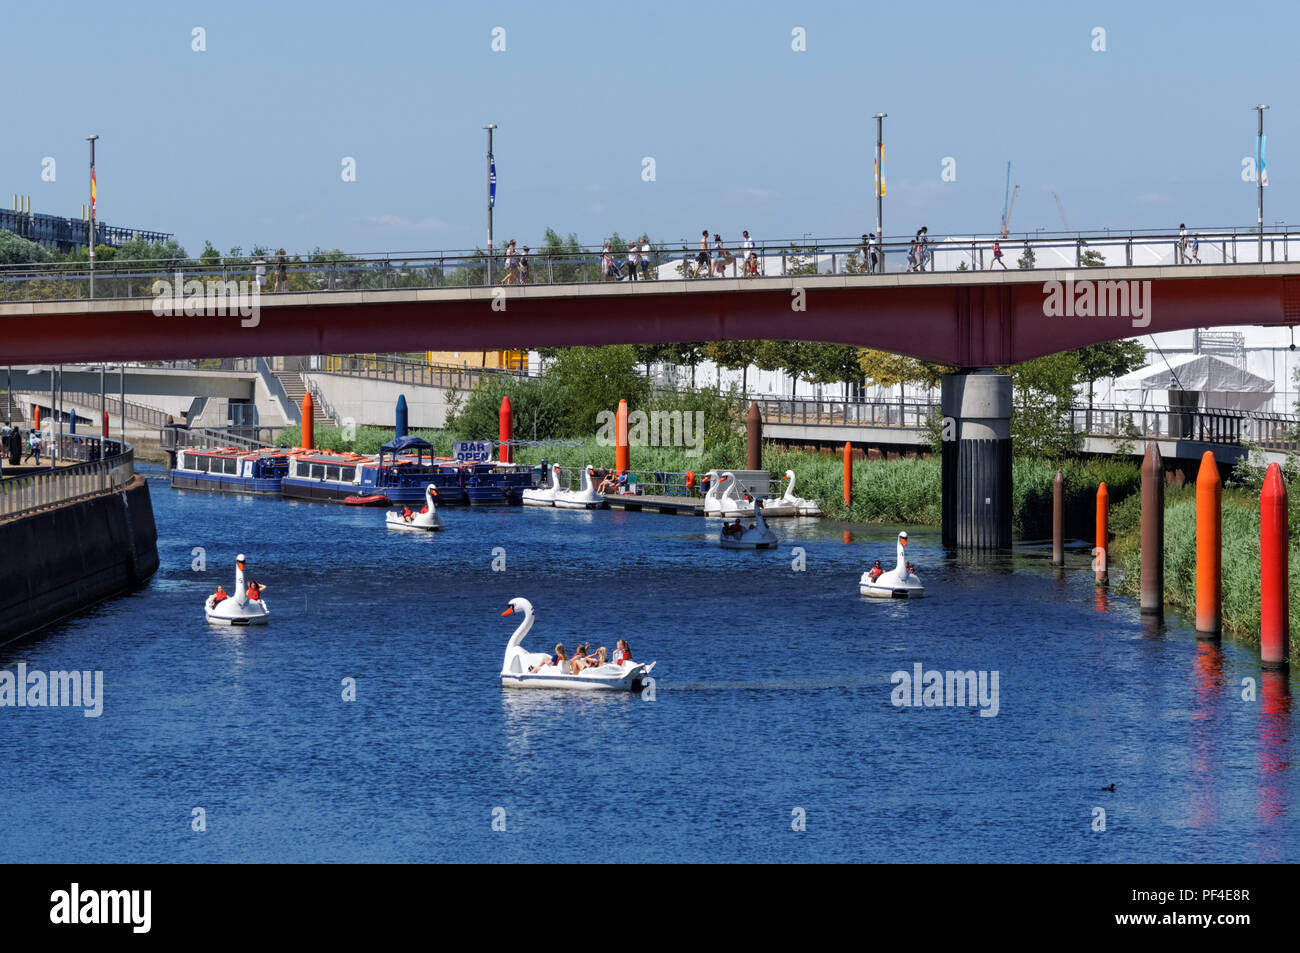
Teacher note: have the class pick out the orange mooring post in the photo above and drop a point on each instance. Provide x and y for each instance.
(308, 434)
(1209, 547)
(1151, 599)
(622, 459)
(1058, 520)
(106, 423)
(506, 431)
(1274, 601)
(754, 439)
(848, 473)
(36, 416)
(1103, 535)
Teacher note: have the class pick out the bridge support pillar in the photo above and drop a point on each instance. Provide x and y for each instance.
(976, 460)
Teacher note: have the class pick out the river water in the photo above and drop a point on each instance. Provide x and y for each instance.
(771, 709)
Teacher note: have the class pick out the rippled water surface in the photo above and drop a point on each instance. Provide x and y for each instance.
(772, 694)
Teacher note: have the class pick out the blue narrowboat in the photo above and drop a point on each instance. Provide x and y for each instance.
(229, 470)
(401, 471)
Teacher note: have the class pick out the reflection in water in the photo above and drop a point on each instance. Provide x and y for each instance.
(1100, 598)
(1153, 626)
(848, 537)
(1274, 744)
(1208, 665)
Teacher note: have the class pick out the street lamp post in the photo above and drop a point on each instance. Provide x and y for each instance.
(1260, 179)
(492, 195)
(880, 181)
(91, 139)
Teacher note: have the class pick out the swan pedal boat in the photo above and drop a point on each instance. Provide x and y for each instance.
(426, 522)
(726, 498)
(801, 506)
(628, 677)
(757, 536)
(897, 583)
(584, 499)
(543, 495)
(237, 609)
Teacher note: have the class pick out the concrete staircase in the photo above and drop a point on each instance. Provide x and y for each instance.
(296, 389)
(10, 408)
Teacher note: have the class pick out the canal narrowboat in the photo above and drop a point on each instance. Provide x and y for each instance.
(229, 470)
(402, 471)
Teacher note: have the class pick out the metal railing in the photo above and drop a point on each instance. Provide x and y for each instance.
(375, 271)
(26, 494)
(401, 370)
(837, 412)
(141, 413)
(1271, 431)
(244, 438)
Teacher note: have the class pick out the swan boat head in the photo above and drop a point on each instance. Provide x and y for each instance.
(519, 604)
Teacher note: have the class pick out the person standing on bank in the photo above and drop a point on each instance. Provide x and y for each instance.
(281, 271)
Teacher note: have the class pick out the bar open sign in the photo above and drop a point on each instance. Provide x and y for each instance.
(472, 451)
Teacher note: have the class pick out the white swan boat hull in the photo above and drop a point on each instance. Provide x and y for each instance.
(420, 522)
(606, 678)
(889, 589)
(228, 612)
(543, 495)
(585, 498)
(768, 542)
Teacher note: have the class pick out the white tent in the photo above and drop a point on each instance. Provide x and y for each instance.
(1218, 384)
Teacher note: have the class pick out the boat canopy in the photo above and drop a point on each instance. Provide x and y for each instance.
(406, 443)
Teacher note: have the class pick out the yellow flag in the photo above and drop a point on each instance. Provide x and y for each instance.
(880, 173)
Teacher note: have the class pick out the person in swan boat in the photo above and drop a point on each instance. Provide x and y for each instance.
(219, 595)
(733, 529)
(876, 571)
(558, 661)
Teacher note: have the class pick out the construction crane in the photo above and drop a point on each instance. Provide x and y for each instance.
(1008, 202)
(1061, 208)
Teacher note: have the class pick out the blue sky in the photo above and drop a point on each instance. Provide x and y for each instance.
(243, 143)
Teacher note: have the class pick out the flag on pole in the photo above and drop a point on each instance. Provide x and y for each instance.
(92, 193)
(1262, 141)
(492, 182)
(879, 166)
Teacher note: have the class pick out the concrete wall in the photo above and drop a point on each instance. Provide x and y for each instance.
(375, 402)
(61, 561)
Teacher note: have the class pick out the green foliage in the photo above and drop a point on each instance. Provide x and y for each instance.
(1026, 261)
(593, 379)
(1092, 259)
(19, 251)
(1240, 560)
(531, 399)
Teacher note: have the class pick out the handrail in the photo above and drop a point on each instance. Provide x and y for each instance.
(31, 492)
(373, 271)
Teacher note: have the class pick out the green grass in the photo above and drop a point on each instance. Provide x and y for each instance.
(1240, 559)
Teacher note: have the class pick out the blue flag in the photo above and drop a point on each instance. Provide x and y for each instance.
(492, 182)
(1262, 170)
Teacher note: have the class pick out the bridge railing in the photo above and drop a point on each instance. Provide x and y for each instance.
(376, 271)
(26, 494)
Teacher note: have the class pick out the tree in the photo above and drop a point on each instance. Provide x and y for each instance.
(1108, 359)
(1092, 259)
(1026, 261)
(888, 369)
(647, 354)
(689, 353)
(1043, 394)
(593, 379)
(734, 355)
